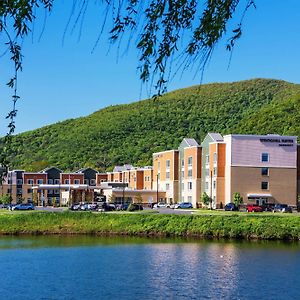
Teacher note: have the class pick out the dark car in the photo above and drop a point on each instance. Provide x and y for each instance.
(282, 208)
(23, 206)
(231, 207)
(123, 206)
(135, 206)
(254, 208)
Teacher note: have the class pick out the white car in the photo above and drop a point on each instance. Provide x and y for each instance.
(161, 205)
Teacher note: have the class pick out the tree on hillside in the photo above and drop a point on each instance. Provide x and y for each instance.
(171, 35)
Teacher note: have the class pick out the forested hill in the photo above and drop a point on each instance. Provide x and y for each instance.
(131, 133)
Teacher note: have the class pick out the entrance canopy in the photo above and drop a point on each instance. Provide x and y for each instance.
(259, 195)
(61, 187)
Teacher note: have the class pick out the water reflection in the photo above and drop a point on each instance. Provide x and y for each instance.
(85, 267)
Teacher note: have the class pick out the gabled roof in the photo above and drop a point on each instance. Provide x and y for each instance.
(82, 170)
(216, 137)
(191, 142)
(49, 168)
(126, 167)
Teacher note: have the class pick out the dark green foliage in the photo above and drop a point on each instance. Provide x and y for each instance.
(237, 199)
(131, 133)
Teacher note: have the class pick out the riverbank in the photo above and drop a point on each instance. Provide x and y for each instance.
(246, 226)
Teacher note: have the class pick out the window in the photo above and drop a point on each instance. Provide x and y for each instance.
(93, 182)
(19, 181)
(56, 192)
(67, 181)
(50, 181)
(265, 171)
(168, 164)
(19, 191)
(29, 191)
(9, 191)
(206, 185)
(182, 174)
(190, 185)
(190, 199)
(29, 181)
(167, 186)
(40, 181)
(50, 192)
(76, 181)
(265, 185)
(190, 173)
(182, 186)
(215, 156)
(56, 181)
(207, 159)
(86, 181)
(190, 161)
(265, 157)
(168, 175)
(214, 184)
(182, 163)
(215, 171)
(206, 172)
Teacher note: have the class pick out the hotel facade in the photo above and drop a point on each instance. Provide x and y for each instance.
(262, 168)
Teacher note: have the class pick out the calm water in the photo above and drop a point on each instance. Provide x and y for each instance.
(123, 268)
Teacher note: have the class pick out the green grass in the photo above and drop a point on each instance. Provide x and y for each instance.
(241, 226)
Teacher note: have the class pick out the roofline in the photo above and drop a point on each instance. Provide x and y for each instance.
(260, 135)
(174, 150)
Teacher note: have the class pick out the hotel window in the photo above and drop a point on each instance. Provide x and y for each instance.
(214, 184)
(40, 181)
(50, 192)
(93, 181)
(86, 181)
(182, 174)
(265, 171)
(190, 173)
(182, 163)
(29, 181)
(145, 178)
(190, 185)
(215, 171)
(29, 191)
(134, 179)
(20, 181)
(67, 181)
(168, 164)
(19, 191)
(190, 161)
(206, 172)
(182, 186)
(167, 186)
(56, 181)
(168, 175)
(265, 157)
(215, 156)
(206, 185)
(50, 181)
(76, 181)
(9, 191)
(56, 192)
(265, 185)
(207, 159)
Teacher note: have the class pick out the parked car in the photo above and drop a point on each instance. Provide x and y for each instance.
(254, 208)
(231, 207)
(23, 206)
(282, 208)
(123, 206)
(185, 205)
(161, 205)
(135, 206)
(174, 206)
(75, 206)
(268, 206)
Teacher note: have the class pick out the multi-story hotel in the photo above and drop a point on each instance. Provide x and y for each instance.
(262, 168)
(165, 174)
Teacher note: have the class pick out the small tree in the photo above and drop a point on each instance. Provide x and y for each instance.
(5, 199)
(237, 199)
(139, 200)
(205, 199)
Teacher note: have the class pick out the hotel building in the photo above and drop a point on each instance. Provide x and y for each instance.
(165, 174)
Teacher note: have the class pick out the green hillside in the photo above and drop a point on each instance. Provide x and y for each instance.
(131, 133)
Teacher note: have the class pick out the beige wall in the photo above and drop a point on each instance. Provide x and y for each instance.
(282, 183)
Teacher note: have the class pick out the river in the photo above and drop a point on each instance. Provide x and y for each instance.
(86, 267)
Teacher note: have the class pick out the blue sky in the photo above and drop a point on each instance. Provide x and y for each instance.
(62, 81)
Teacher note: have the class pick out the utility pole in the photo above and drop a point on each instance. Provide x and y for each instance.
(211, 189)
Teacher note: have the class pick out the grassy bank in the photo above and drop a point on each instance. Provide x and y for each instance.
(210, 226)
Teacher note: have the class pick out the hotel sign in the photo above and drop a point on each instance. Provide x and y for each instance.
(280, 142)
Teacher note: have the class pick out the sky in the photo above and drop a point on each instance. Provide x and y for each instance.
(63, 78)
